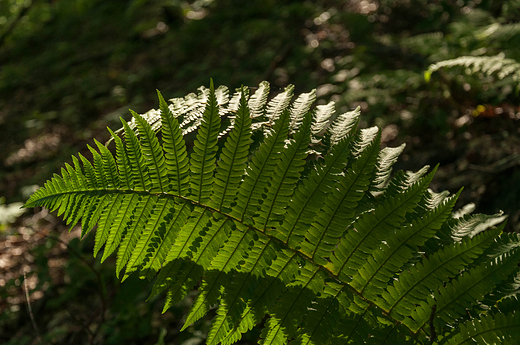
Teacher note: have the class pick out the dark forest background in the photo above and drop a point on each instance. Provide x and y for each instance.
(69, 68)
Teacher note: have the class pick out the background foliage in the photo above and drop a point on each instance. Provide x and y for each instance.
(70, 68)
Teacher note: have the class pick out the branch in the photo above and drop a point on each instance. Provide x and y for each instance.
(15, 22)
(433, 335)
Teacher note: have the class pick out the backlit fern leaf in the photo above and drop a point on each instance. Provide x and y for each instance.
(488, 65)
(329, 251)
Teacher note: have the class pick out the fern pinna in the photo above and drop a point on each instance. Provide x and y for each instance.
(290, 217)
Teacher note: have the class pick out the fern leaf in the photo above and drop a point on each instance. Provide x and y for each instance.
(106, 220)
(487, 329)
(292, 305)
(110, 176)
(226, 260)
(456, 229)
(156, 219)
(98, 169)
(343, 125)
(258, 100)
(233, 159)
(135, 160)
(387, 157)
(310, 194)
(176, 158)
(432, 273)
(401, 297)
(162, 240)
(286, 174)
(279, 104)
(487, 64)
(120, 224)
(397, 250)
(93, 214)
(200, 252)
(202, 160)
(133, 230)
(123, 165)
(300, 107)
(322, 318)
(174, 254)
(153, 155)
(360, 325)
(260, 170)
(90, 175)
(453, 299)
(239, 291)
(264, 297)
(338, 210)
(322, 117)
(365, 234)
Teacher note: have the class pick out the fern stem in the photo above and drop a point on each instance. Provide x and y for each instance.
(213, 210)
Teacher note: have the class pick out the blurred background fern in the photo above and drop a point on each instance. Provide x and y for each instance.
(72, 67)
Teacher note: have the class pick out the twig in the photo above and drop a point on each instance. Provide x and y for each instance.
(35, 326)
(15, 22)
(500, 166)
(433, 334)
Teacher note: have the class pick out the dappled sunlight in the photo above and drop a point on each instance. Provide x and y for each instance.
(41, 147)
(17, 257)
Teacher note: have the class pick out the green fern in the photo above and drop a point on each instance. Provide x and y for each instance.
(333, 250)
(488, 65)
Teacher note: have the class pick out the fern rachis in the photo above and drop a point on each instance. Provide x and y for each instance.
(329, 251)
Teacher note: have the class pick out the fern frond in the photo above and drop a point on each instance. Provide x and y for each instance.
(489, 65)
(176, 158)
(264, 295)
(334, 250)
(162, 238)
(227, 259)
(487, 329)
(133, 230)
(122, 220)
(123, 165)
(496, 31)
(456, 229)
(145, 246)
